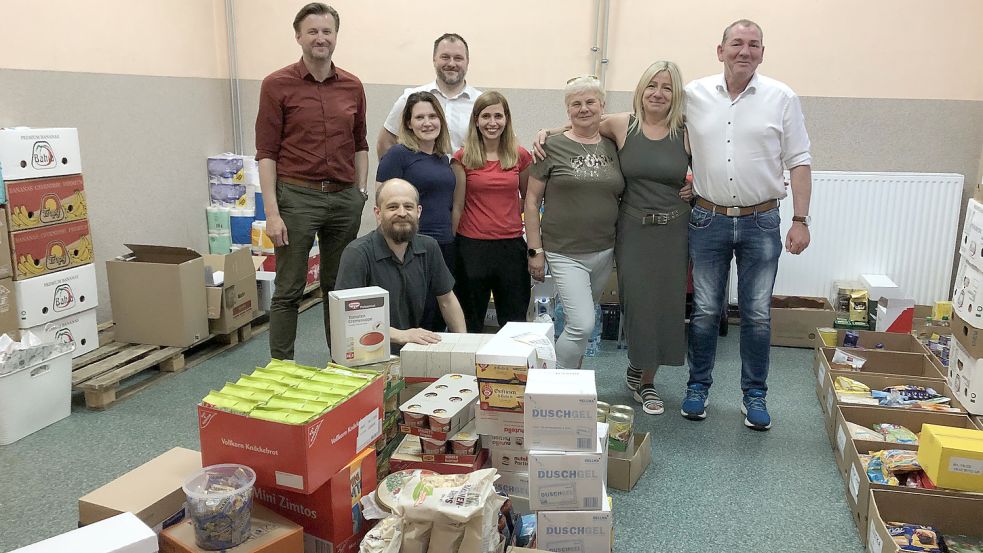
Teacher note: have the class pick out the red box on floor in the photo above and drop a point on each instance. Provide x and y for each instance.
(331, 513)
(313, 268)
(293, 457)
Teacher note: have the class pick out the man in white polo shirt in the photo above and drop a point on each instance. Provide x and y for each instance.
(744, 130)
(456, 96)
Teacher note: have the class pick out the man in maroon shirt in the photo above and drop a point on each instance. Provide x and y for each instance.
(313, 161)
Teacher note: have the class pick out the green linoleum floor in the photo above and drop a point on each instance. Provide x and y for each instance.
(713, 485)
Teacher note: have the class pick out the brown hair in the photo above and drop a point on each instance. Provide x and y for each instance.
(474, 144)
(316, 8)
(442, 145)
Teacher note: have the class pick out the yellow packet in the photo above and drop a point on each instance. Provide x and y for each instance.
(340, 381)
(850, 386)
(290, 368)
(345, 371)
(245, 392)
(261, 384)
(303, 405)
(230, 403)
(325, 388)
(287, 416)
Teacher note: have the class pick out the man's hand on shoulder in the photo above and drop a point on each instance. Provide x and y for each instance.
(797, 239)
(413, 336)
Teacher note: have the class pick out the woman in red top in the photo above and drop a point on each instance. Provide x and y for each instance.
(491, 171)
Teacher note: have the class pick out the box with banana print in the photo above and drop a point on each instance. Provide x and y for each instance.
(42, 202)
(49, 249)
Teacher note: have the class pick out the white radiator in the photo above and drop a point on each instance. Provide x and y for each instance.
(903, 225)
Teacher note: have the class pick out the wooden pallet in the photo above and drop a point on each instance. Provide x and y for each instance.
(105, 375)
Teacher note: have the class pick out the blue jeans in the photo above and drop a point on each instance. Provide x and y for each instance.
(714, 239)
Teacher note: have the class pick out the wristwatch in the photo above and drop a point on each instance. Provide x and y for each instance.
(533, 252)
(805, 220)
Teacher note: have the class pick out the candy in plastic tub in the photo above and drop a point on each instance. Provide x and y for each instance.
(220, 502)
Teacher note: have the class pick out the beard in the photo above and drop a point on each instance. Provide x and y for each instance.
(400, 233)
(450, 78)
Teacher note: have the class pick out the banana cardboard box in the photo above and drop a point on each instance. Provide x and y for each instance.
(81, 329)
(41, 202)
(6, 269)
(54, 296)
(49, 249)
(28, 153)
(8, 309)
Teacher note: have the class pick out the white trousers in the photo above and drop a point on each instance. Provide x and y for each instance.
(580, 280)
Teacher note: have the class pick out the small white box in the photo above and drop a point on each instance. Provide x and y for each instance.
(503, 351)
(463, 354)
(508, 459)
(35, 397)
(576, 531)
(27, 153)
(568, 480)
(81, 329)
(560, 410)
(539, 335)
(971, 243)
(359, 325)
(966, 377)
(45, 298)
(123, 533)
(498, 423)
(967, 294)
(515, 484)
(439, 356)
(880, 286)
(514, 442)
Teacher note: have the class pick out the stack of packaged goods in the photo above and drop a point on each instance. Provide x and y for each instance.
(567, 460)
(233, 194)
(47, 280)
(387, 443)
(965, 367)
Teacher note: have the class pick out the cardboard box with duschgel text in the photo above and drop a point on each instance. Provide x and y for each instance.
(44, 250)
(294, 457)
(359, 325)
(158, 296)
(794, 320)
(54, 296)
(235, 302)
(40, 202)
(31, 153)
(561, 410)
(569, 480)
(152, 491)
(587, 531)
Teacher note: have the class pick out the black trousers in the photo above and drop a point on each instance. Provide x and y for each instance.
(486, 267)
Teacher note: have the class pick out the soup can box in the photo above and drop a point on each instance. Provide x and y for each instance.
(359, 325)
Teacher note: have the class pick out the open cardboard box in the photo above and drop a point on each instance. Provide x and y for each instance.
(890, 341)
(881, 362)
(951, 515)
(794, 320)
(623, 473)
(269, 533)
(235, 302)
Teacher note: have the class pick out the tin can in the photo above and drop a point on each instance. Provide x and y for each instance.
(619, 430)
(626, 409)
(602, 415)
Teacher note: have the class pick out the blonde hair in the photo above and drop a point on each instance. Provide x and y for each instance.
(474, 143)
(587, 83)
(677, 105)
(441, 146)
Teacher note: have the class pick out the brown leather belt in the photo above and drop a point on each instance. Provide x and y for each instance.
(736, 211)
(320, 186)
(649, 218)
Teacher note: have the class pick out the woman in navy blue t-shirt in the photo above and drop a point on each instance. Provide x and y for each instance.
(421, 158)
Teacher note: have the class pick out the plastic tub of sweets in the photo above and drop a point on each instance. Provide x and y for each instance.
(220, 502)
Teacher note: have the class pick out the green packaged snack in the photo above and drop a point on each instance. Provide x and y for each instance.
(262, 384)
(229, 403)
(286, 416)
(292, 369)
(245, 392)
(339, 381)
(326, 388)
(345, 371)
(303, 405)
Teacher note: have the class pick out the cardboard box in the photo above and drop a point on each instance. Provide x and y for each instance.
(513, 484)
(498, 423)
(57, 295)
(880, 286)
(912, 419)
(503, 359)
(886, 341)
(123, 533)
(883, 362)
(81, 329)
(541, 335)
(967, 293)
(158, 296)
(359, 325)
(794, 320)
(8, 309)
(623, 474)
(966, 377)
(48, 249)
(952, 457)
(39, 202)
(587, 531)
(453, 354)
(411, 445)
(405, 458)
(569, 480)
(314, 267)
(968, 336)
(951, 515)
(6, 268)
(561, 411)
(236, 302)
(452, 396)
(895, 315)
(269, 533)
(151, 491)
(331, 514)
(294, 457)
(971, 241)
(27, 153)
(503, 459)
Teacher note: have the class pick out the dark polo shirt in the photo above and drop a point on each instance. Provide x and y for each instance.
(368, 261)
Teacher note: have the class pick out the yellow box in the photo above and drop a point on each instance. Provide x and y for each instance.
(501, 396)
(952, 457)
(501, 373)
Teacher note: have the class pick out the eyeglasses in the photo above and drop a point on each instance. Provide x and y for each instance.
(591, 77)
